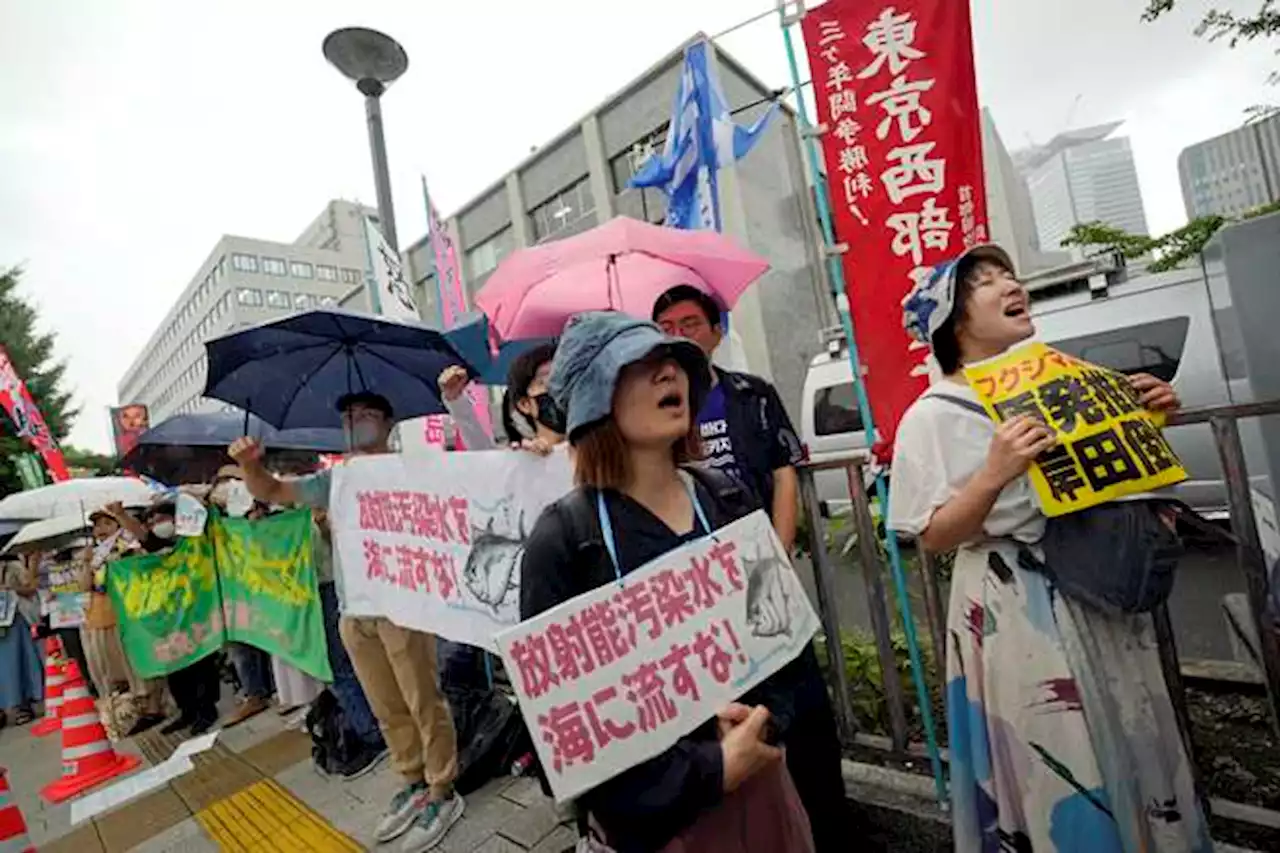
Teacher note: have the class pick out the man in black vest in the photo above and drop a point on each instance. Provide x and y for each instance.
(745, 430)
(747, 434)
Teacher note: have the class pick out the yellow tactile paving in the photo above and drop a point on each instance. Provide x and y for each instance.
(264, 816)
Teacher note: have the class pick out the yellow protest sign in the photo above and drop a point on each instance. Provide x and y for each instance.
(1109, 446)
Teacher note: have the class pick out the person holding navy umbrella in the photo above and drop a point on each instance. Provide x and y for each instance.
(395, 665)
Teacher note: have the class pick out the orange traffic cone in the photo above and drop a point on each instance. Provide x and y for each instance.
(87, 756)
(54, 679)
(13, 829)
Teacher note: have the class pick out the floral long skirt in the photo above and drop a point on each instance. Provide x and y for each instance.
(1062, 734)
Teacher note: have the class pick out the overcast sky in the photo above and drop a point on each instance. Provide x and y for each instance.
(133, 133)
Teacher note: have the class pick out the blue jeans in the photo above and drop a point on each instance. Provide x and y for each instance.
(346, 687)
(253, 666)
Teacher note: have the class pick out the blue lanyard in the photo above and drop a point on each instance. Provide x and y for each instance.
(606, 525)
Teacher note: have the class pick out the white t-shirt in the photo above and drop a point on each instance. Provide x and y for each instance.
(938, 448)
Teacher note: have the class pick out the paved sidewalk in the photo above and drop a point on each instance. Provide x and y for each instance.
(258, 790)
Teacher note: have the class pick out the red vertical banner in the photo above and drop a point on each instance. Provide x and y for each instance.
(27, 420)
(895, 89)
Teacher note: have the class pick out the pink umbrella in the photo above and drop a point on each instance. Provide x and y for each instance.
(623, 264)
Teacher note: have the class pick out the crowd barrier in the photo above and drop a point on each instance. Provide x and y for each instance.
(1243, 535)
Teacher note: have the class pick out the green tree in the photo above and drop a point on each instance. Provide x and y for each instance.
(1170, 251)
(95, 464)
(32, 357)
(1235, 28)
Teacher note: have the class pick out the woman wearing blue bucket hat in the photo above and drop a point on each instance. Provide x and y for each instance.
(1063, 736)
(630, 394)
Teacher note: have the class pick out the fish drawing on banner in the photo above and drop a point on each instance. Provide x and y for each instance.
(492, 571)
(768, 602)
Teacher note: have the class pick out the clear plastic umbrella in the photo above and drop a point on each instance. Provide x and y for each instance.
(72, 497)
(46, 534)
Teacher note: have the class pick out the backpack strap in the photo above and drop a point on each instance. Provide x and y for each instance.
(578, 509)
(730, 495)
(961, 402)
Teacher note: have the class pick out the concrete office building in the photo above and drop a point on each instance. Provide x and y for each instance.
(245, 281)
(578, 180)
(1080, 176)
(1232, 173)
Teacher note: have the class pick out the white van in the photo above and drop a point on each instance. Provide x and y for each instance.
(1158, 324)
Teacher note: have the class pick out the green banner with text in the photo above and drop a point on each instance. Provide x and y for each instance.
(269, 588)
(250, 582)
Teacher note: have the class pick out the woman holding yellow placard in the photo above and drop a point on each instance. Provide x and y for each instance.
(1063, 737)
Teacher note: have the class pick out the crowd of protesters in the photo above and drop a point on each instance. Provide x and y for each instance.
(666, 447)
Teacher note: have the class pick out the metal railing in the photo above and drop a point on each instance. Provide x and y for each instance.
(1249, 556)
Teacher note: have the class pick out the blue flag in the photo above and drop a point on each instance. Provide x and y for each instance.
(702, 138)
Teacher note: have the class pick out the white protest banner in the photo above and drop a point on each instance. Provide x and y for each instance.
(8, 607)
(190, 516)
(433, 542)
(617, 675)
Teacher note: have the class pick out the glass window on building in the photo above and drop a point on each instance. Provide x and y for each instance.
(301, 301)
(326, 301)
(244, 263)
(485, 257)
(278, 299)
(350, 276)
(250, 296)
(275, 266)
(300, 269)
(326, 273)
(563, 210)
(625, 165)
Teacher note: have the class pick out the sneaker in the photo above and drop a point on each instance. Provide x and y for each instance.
(365, 760)
(403, 811)
(177, 725)
(203, 724)
(250, 707)
(432, 824)
(145, 723)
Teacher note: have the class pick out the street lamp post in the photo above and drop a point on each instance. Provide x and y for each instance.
(373, 61)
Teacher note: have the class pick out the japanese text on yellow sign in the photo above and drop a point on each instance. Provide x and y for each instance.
(1109, 446)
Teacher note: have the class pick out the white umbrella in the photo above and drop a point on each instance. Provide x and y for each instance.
(50, 532)
(71, 497)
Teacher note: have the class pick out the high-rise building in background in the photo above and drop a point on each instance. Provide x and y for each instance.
(1232, 173)
(1010, 214)
(1081, 176)
(245, 281)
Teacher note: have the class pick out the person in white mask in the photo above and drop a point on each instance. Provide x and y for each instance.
(395, 665)
(194, 688)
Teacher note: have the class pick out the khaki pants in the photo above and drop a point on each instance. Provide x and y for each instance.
(397, 669)
(109, 666)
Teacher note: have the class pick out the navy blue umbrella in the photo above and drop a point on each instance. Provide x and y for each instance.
(191, 448)
(470, 338)
(291, 372)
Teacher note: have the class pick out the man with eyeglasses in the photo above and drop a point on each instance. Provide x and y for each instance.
(747, 434)
(745, 430)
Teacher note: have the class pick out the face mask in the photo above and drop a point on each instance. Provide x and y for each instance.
(550, 415)
(364, 434)
(165, 530)
(238, 500)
